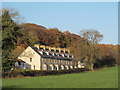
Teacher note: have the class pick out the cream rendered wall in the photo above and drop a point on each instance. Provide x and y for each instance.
(30, 53)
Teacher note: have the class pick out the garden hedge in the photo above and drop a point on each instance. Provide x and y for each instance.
(32, 73)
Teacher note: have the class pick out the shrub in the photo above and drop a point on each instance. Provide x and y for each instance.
(33, 73)
(105, 61)
(11, 74)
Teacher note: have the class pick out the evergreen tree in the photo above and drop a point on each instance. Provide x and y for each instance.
(10, 33)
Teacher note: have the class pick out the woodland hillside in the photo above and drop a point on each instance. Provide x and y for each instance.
(54, 37)
(85, 47)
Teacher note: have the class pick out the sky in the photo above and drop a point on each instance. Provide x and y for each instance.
(72, 16)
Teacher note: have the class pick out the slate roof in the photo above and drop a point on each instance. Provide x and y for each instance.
(51, 56)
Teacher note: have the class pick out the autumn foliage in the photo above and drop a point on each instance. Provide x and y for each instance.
(33, 34)
(85, 48)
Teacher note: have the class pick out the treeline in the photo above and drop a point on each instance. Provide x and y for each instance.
(106, 55)
(33, 33)
(37, 34)
(85, 47)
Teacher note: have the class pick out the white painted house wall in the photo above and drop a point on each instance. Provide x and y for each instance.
(30, 53)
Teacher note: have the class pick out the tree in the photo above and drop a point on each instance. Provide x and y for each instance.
(93, 36)
(57, 38)
(91, 50)
(28, 38)
(11, 31)
(64, 41)
(37, 34)
(110, 56)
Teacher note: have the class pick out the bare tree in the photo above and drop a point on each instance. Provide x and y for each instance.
(91, 50)
(93, 36)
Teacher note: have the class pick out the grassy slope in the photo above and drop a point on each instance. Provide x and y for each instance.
(106, 78)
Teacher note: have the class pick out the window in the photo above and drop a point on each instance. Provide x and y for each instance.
(66, 51)
(62, 51)
(52, 49)
(30, 59)
(41, 48)
(65, 55)
(50, 54)
(60, 55)
(57, 50)
(70, 56)
(34, 67)
(44, 53)
(46, 49)
(55, 54)
(19, 63)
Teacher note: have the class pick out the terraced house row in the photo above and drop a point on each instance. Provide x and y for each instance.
(41, 57)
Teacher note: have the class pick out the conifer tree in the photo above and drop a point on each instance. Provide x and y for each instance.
(11, 31)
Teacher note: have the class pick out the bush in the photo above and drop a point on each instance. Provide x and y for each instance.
(105, 61)
(32, 73)
(11, 74)
(44, 73)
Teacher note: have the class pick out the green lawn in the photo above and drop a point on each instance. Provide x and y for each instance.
(105, 78)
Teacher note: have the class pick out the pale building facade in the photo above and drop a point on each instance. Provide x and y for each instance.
(42, 57)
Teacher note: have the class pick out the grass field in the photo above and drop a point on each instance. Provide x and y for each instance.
(105, 78)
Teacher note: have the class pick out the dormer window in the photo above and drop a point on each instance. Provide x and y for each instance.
(57, 50)
(65, 55)
(44, 53)
(62, 51)
(66, 51)
(52, 49)
(60, 55)
(50, 54)
(70, 56)
(55, 54)
(30, 59)
(41, 48)
(46, 49)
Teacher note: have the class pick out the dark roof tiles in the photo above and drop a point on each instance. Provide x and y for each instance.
(50, 56)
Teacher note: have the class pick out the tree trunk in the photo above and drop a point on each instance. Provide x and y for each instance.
(91, 66)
